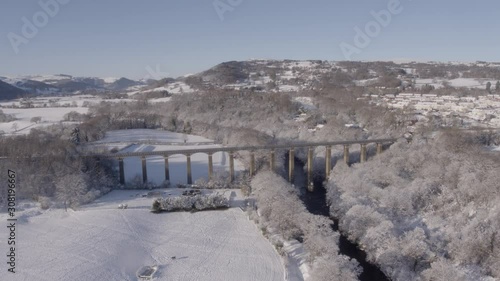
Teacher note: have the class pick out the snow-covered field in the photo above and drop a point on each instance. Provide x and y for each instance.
(23, 124)
(50, 109)
(457, 83)
(101, 242)
(78, 100)
(172, 88)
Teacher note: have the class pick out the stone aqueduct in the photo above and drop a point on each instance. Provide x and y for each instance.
(252, 149)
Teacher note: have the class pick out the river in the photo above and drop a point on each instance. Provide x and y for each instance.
(316, 203)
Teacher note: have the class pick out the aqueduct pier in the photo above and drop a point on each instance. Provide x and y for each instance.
(290, 147)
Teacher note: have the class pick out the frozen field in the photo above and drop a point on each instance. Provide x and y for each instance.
(458, 82)
(100, 242)
(50, 116)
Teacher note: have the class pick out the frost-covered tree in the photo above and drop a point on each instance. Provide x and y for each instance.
(5, 118)
(424, 207)
(281, 210)
(75, 136)
(442, 270)
(335, 269)
(70, 190)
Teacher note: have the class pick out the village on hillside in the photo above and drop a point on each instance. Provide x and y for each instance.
(480, 111)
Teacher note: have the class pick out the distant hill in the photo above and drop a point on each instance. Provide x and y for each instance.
(152, 84)
(283, 76)
(9, 92)
(316, 75)
(72, 86)
(122, 84)
(36, 87)
(228, 72)
(67, 84)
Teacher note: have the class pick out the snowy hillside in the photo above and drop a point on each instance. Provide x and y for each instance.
(296, 76)
(67, 84)
(288, 76)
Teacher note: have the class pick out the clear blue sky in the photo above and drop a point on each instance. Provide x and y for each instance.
(114, 38)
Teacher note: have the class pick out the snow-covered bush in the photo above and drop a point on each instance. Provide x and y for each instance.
(210, 202)
(91, 195)
(219, 181)
(423, 208)
(44, 202)
(189, 203)
(138, 183)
